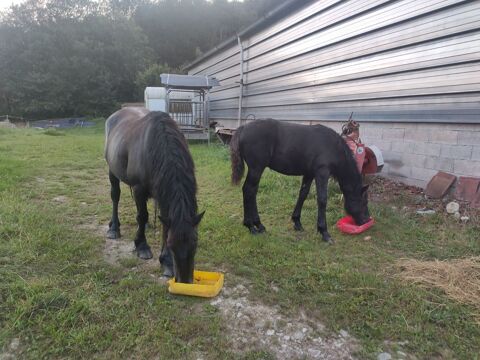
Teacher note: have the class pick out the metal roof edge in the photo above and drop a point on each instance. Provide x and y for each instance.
(273, 15)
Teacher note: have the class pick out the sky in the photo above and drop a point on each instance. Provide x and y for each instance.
(6, 3)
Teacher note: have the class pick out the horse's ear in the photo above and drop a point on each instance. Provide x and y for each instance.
(197, 218)
(165, 221)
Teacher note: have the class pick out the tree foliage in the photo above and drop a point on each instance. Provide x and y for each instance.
(84, 57)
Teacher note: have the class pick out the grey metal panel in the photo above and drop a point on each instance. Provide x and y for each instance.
(440, 53)
(321, 20)
(406, 61)
(291, 20)
(345, 31)
(465, 18)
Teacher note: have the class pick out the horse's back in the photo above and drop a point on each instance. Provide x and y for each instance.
(288, 148)
(125, 134)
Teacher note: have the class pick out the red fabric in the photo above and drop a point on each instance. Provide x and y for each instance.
(358, 150)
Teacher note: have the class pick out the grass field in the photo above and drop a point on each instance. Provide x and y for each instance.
(59, 298)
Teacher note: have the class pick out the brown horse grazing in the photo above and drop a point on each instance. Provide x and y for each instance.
(315, 152)
(147, 151)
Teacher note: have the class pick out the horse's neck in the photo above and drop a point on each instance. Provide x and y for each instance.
(177, 200)
(349, 179)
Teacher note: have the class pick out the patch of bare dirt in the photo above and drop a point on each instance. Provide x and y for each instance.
(412, 199)
(253, 325)
(11, 351)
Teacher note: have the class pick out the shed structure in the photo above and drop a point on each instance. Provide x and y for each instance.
(409, 70)
(185, 98)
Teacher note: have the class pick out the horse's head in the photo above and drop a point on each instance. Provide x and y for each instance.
(356, 205)
(182, 244)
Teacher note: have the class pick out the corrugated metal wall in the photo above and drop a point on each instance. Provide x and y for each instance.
(398, 61)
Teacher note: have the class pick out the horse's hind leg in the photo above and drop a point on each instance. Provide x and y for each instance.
(321, 181)
(141, 246)
(114, 225)
(251, 218)
(304, 190)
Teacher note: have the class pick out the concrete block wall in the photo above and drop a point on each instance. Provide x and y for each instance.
(413, 153)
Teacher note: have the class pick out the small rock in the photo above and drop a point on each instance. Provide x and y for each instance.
(239, 315)
(314, 353)
(259, 324)
(401, 354)
(343, 333)
(286, 338)
(275, 288)
(304, 330)
(270, 332)
(83, 203)
(452, 207)
(464, 219)
(367, 238)
(298, 335)
(457, 215)
(238, 305)
(14, 344)
(384, 356)
(425, 211)
(216, 302)
(60, 199)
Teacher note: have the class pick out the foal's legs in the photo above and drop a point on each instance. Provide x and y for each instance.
(141, 246)
(165, 256)
(321, 181)
(251, 219)
(114, 225)
(304, 190)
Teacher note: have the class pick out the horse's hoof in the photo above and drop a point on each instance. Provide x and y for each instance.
(144, 252)
(298, 227)
(167, 273)
(329, 241)
(253, 230)
(261, 229)
(113, 234)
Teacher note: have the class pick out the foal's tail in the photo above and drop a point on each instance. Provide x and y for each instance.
(238, 167)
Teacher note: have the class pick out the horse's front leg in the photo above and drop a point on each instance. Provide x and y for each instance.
(114, 225)
(321, 182)
(165, 256)
(251, 218)
(141, 246)
(297, 212)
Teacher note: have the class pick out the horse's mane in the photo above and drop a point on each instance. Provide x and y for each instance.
(172, 169)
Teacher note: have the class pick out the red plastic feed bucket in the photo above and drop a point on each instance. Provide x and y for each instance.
(348, 226)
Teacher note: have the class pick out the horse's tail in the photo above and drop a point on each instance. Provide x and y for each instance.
(238, 167)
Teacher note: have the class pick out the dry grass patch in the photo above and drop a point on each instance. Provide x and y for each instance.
(459, 278)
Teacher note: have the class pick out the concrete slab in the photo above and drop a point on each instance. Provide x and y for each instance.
(476, 201)
(467, 188)
(439, 185)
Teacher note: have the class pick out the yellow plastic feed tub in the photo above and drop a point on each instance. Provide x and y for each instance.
(205, 284)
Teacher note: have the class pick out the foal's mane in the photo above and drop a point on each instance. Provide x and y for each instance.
(172, 169)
